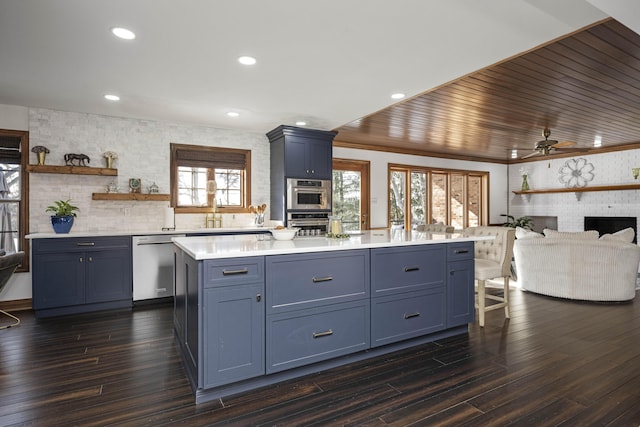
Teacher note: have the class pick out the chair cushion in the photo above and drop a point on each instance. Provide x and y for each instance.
(625, 235)
(572, 235)
(486, 269)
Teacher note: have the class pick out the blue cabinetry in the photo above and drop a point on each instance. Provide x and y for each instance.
(317, 307)
(247, 322)
(219, 318)
(408, 292)
(460, 284)
(74, 275)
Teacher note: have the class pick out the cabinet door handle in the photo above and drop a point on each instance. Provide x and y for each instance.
(322, 279)
(258, 297)
(461, 251)
(407, 269)
(232, 272)
(411, 315)
(80, 259)
(322, 334)
(90, 259)
(85, 244)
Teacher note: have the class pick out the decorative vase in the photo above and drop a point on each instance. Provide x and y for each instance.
(62, 224)
(41, 157)
(525, 183)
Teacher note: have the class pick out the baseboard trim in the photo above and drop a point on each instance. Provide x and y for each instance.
(16, 305)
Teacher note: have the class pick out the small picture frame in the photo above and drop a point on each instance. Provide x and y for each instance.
(135, 185)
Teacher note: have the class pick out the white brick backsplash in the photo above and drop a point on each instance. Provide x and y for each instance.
(609, 169)
(143, 152)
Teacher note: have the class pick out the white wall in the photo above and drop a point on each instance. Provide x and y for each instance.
(13, 117)
(143, 148)
(609, 169)
(378, 172)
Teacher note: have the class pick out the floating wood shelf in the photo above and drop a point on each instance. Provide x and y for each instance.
(582, 189)
(73, 170)
(154, 197)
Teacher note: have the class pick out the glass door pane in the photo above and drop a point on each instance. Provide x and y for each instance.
(418, 199)
(474, 191)
(346, 198)
(457, 201)
(397, 186)
(439, 200)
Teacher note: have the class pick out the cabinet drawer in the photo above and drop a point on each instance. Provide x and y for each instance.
(84, 244)
(459, 251)
(302, 337)
(299, 281)
(406, 315)
(233, 271)
(406, 269)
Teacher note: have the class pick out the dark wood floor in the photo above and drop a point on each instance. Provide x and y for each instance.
(554, 363)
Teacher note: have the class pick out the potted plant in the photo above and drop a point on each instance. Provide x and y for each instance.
(523, 222)
(63, 215)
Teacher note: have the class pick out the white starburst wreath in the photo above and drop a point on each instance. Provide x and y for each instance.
(576, 173)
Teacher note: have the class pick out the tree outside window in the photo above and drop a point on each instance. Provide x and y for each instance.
(194, 168)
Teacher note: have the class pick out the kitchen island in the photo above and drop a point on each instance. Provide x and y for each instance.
(251, 311)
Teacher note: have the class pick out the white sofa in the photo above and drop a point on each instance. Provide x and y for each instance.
(578, 266)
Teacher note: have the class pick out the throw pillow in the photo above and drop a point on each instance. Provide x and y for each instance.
(523, 233)
(625, 235)
(572, 235)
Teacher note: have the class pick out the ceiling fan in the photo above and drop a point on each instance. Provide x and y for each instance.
(546, 146)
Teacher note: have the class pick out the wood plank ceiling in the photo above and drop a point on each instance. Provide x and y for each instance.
(582, 86)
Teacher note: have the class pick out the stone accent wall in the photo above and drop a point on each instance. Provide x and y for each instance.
(143, 149)
(609, 169)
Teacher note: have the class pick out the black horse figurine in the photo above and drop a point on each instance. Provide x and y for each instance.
(80, 158)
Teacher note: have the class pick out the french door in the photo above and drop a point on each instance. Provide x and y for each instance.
(351, 193)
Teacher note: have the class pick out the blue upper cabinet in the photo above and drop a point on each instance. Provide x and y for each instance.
(301, 153)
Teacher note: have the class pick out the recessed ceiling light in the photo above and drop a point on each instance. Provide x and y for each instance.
(247, 60)
(597, 141)
(112, 97)
(398, 95)
(232, 114)
(123, 33)
(301, 123)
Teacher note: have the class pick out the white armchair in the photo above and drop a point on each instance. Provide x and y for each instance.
(492, 260)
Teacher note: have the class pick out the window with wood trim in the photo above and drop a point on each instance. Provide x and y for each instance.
(419, 195)
(195, 169)
(14, 156)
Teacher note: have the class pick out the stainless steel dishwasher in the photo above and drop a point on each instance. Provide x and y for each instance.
(153, 266)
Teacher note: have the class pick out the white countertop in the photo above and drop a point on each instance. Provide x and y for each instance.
(212, 231)
(214, 247)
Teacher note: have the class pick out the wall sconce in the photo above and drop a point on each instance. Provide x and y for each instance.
(636, 172)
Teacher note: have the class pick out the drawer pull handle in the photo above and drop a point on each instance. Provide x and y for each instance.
(407, 269)
(85, 244)
(461, 251)
(232, 272)
(258, 297)
(322, 279)
(322, 334)
(411, 315)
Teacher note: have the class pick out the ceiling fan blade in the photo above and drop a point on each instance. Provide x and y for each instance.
(570, 150)
(563, 144)
(535, 153)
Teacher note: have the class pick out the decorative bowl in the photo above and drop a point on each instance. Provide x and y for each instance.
(284, 233)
